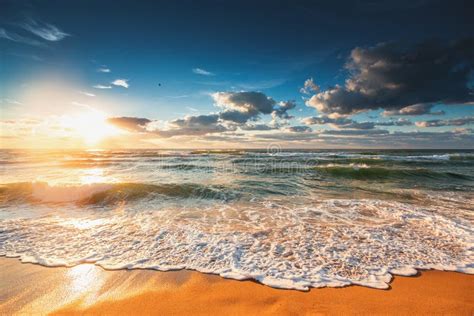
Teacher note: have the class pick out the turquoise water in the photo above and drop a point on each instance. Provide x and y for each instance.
(289, 219)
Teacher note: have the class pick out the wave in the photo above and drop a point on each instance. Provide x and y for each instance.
(108, 193)
(365, 172)
(334, 243)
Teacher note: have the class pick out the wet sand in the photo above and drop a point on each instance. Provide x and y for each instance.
(88, 289)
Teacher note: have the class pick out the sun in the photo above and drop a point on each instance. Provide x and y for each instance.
(90, 126)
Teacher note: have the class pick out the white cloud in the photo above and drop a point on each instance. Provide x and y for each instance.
(10, 101)
(192, 109)
(46, 31)
(200, 71)
(309, 86)
(101, 86)
(121, 83)
(18, 38)
(87, 93)
(104, 69)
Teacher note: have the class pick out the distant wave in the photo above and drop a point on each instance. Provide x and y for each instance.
(365, 172)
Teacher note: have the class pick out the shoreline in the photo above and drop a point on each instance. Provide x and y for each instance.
(89, 289)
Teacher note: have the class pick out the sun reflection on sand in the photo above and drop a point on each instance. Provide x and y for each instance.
(85, 283)
(82, 277)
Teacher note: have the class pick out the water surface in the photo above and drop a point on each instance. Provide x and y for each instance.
(289, 219)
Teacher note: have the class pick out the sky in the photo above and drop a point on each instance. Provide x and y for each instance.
(236, 74)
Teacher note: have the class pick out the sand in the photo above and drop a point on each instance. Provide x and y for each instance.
(88, 289)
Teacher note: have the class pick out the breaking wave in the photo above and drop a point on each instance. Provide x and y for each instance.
(106, 193)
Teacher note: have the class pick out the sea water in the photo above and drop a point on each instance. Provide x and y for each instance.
(288, 219)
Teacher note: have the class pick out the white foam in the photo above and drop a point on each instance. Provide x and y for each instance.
(323, 243)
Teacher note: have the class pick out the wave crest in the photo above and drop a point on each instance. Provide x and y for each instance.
(107, 193)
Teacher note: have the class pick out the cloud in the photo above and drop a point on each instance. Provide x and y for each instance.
(203, 72)
(359, 125)
(298, 129)
(309, 87)
(121, 83)
(399, 122)
(453, 122)
(136, 124)
(193, 125)
(281, 110)
(321, 120)
(387, 77)
(46, 31)
(262, 84)
(338, 122)
(104, 69)
(10, 101)
(240, 107)
(415, 109)
(356, 132)
(237, 116)
(346, 123)
(18, 38)
(245, 102)
(460, 138)
(257, 127)
(101, 86)
(87, 93)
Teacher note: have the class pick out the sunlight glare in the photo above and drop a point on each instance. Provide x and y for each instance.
(91, 126)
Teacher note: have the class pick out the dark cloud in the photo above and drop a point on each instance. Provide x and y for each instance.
(360, 125)
(298, 129)
(240, 107)
(390, 78)
(135, 124)
(453, 122)
(349, 132)
(193, 125)
(246, 102)
(237, 116)
(281, 110)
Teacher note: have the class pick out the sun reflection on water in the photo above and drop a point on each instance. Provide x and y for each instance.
(95, 175)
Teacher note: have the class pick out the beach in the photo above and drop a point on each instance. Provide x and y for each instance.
(91, 290)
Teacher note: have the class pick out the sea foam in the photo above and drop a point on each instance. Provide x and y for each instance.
(334, 243)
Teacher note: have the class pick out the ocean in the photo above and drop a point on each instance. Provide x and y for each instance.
(291, 219)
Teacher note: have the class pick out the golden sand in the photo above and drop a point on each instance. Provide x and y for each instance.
(88, 289)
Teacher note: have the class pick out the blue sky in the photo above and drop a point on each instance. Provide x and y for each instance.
(183, 59)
